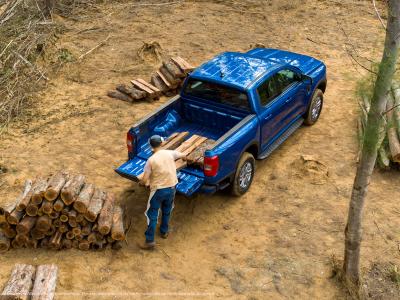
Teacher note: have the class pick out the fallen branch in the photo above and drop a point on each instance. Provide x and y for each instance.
(94, 48)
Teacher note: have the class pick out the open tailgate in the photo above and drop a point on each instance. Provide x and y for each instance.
(188, 184)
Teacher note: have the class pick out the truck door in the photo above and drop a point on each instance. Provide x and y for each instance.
(281, 99)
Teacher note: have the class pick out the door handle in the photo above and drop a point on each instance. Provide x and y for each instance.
(268, 117)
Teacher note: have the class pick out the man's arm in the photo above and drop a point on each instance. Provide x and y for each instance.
(177, 155)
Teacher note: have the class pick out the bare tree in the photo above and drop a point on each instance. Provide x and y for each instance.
(371, 142)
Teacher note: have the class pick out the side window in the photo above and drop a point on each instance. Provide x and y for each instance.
(275, 85)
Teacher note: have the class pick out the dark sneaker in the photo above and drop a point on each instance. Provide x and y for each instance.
(147, 245)
(164, 235)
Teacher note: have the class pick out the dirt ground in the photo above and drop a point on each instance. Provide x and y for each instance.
(275, 242)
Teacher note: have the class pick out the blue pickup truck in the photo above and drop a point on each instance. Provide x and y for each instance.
(249, 103)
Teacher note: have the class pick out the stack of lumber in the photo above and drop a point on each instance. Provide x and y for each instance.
(61, 211)
(165, 81)
(193, 147)
(28, 282)
(389, 151)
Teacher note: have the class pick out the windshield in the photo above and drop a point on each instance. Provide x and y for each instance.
(217, 93)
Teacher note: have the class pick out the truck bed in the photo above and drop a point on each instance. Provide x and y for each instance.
(208, 121)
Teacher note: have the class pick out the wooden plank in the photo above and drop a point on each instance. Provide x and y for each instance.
(142, 87)
(195, 156)
(149, 85)
(182, 64)
(180, 163)
(159, 83)
(166, 82)
(186, 144)
(173, 143)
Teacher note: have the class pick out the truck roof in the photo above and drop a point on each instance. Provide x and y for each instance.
(240, 70)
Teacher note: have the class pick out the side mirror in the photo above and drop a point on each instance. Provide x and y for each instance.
(306, 79)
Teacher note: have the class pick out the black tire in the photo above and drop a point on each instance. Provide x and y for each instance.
(315, 108)
(244, 175)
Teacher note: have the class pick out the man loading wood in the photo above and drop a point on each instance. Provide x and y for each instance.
(160, 175)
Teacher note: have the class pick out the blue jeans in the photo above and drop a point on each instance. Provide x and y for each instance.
(160, 199)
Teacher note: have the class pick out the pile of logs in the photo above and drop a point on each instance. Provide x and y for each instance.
(28, 282)
(389, 151)
(193, 147)
(165, 81)
(62, 211)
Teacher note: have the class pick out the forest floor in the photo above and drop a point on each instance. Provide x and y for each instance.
(275, 242)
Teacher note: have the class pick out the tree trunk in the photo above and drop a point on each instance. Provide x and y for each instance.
(82, 202)
(105, 220)
(20, 283)
(95, 205)
(374, 128)
(118, 231)
(72, 189)
(45, 282)
(56, 183)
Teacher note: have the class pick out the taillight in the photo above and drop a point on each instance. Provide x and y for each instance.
(129, 141)
(211, 165)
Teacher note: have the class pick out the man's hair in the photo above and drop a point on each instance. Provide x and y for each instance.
(155, 141)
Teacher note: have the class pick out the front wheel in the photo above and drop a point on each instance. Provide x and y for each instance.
(244, 174)
(314, 110)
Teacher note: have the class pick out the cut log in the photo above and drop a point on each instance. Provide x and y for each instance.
(58, 205)
(75, 244)
(131, 92)
(80, 218)
(72, 223)
(77, 230)
(72, 215)
(156, 91)
(183, 64)
(31, 243)
(99, 245)
(43, 223)
(39, 190)
(45, 282)
(54, 215)
(92, 237)
(21, 239)
(105, 219)
(393, 138)
(32, 210)
(55, 240)
(79, 237)
(70, 235)
(120, 96)
(169, 77)
(57, 222)
(173, 143)
(189, 142)
(15, 245)
(23, 199)
(20, 283)
(72, 189)
(95, 205)
(86, 230)
(51, 231)
(3, 223)
(47, 207)
(84, 245)
(55, 184)
(117, 230)
(26, 225)
(44, 243)
(37, 234)
(82, 202)
(4, 242)
(15, 217)
(159, 83)
(64, 215)
(10, 232)
(66, 244)
(174, 69)
(63, 228)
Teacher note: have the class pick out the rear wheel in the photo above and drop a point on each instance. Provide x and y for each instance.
(244, 174)
(314, 110)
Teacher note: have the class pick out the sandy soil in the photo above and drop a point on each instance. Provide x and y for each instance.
(276, 241)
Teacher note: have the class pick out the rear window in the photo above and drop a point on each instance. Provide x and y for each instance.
(214, 92)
